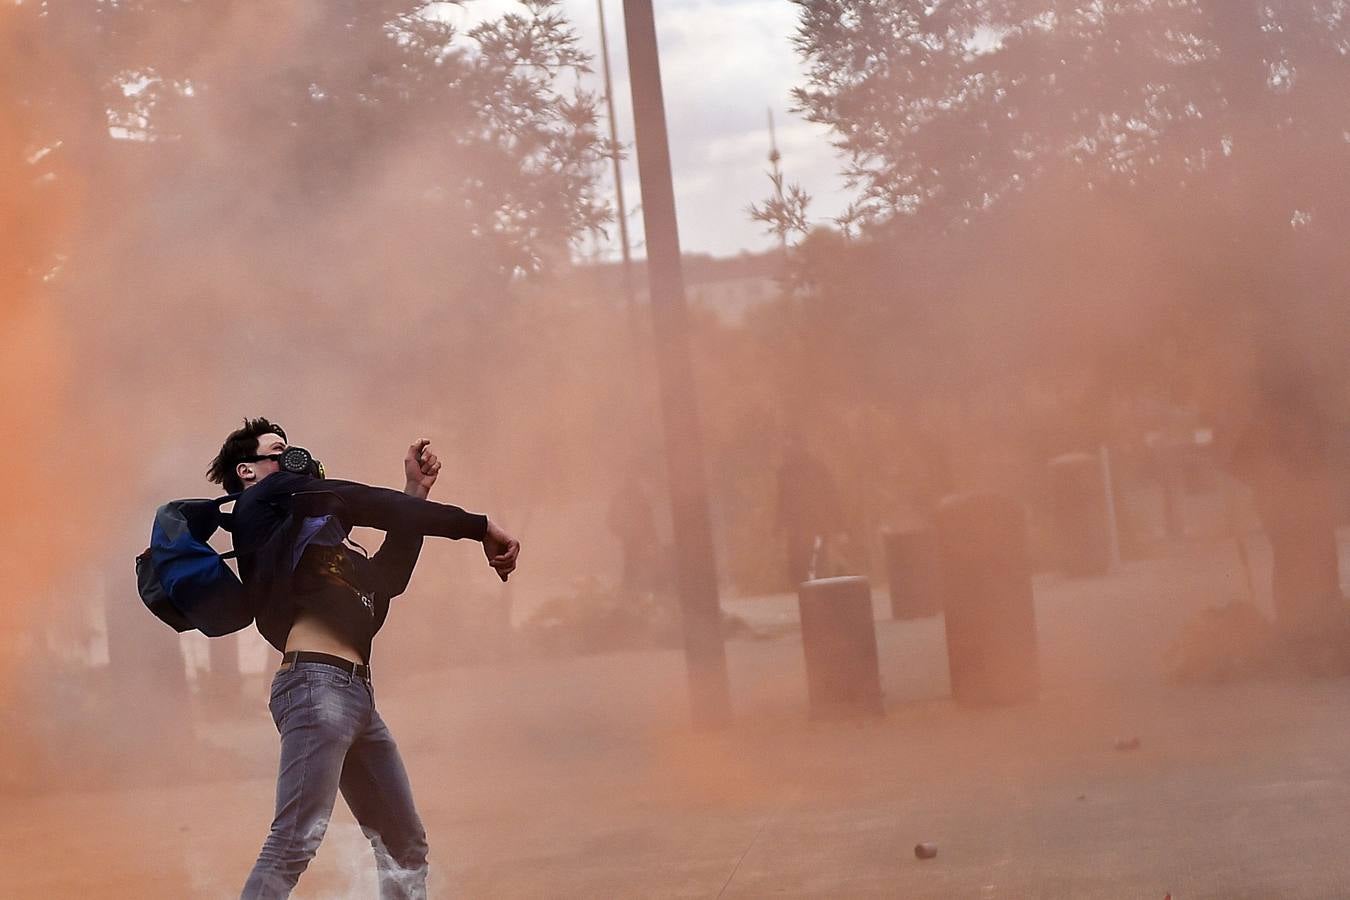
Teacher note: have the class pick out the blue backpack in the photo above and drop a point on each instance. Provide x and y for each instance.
(182, 580)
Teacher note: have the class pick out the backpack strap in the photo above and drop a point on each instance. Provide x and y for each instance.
(227, 520)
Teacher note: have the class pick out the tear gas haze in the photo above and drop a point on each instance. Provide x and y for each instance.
(1092, 266)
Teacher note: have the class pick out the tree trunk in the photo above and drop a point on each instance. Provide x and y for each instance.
(1283, 458)
(225, 680)
(141, 648)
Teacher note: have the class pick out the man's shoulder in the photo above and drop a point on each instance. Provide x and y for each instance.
(284, 482)
(273, 486)
(262, 507)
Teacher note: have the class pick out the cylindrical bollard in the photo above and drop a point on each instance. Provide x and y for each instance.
(988, 606)
(839, 641)
(912, 569)
(1078, 497)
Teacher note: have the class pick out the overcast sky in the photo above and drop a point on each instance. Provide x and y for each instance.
(724, 64)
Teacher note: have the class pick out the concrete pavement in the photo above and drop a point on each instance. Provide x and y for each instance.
(580, 778)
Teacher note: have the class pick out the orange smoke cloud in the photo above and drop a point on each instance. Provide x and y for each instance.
(34, 217)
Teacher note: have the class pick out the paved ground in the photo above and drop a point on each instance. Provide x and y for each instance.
(578, 778)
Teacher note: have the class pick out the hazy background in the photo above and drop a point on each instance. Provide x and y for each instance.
(1008, 231)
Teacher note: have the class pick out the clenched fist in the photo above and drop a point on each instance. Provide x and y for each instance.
(420, 467)
(501, 550)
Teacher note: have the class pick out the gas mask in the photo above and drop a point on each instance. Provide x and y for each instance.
(296, 460)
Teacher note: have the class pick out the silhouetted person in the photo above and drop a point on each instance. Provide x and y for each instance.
(938, 481)
(808, 507)
(633, 522)
(320, 603)
(1283, 457)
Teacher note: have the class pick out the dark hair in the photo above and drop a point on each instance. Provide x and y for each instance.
(241, 444)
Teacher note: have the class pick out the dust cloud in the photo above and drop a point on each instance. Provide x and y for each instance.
(213, 211)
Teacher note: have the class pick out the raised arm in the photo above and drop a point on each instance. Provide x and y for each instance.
(394, 562)
(403, 515)
(389, 510)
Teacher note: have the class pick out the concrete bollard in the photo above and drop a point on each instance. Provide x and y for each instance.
(912, 570)
(988, 605)
(839, 641)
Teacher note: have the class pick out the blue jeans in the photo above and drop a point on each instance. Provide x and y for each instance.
(333, 739)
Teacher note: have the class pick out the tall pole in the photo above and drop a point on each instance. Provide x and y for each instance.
(696, 574)
(618, 171)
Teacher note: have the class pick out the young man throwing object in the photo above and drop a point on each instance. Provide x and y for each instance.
(320, 602)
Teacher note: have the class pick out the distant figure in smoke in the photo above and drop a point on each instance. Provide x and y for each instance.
(320, 603)
(633, 522)
(938, 481)
(1283, 456)
(808, 506)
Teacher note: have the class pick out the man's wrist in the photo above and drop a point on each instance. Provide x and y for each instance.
(413, 489)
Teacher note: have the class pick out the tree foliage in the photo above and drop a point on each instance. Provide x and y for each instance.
(1082, 221)
(305, 104)
(947, 107)
(324, 211)
(1140, 193)
(337, 188)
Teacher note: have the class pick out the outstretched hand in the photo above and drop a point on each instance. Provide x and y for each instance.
(420, 467)
(501, 550)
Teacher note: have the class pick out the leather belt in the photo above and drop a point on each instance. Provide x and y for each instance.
(356, 670)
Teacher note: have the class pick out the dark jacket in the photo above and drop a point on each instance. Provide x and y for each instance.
(346, 590)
